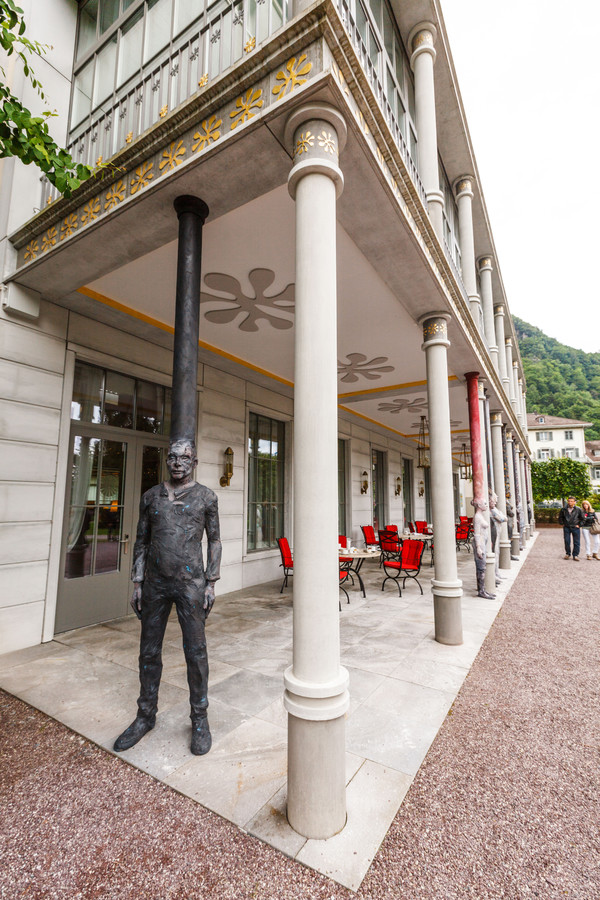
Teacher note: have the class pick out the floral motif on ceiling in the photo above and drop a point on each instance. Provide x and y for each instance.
(401, 403)
(248, 311)
(359, 366)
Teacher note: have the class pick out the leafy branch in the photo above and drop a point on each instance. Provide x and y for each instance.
(22, 134)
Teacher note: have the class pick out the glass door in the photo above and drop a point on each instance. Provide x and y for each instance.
(109, 472)
(378, 483)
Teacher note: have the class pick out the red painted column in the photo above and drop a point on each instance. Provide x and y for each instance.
(475, 434)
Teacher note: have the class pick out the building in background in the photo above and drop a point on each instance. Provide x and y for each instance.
(351, 303)
(552, 437)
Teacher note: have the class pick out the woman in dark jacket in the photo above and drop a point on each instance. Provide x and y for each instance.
(588, 538)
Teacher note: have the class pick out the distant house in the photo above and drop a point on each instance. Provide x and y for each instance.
(592, 450)
(553, 436)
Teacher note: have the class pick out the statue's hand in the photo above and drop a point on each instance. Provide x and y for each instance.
(136, 599)
(209, 598)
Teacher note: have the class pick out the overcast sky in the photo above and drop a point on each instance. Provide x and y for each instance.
(530, 83)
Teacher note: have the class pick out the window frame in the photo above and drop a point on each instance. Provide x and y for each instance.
(284, 421)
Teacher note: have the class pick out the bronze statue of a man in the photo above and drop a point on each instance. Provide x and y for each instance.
(168, 568)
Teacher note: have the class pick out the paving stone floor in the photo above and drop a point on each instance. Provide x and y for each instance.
(402, 687)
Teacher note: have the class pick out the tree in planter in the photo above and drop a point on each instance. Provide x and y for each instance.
(22, 134)
(558, 478)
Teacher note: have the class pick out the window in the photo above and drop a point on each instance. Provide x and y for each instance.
(541, 420)
(571, 452)
(568, 435)
(341, 486)
(596, 452)
(545, 454)
(596, 472)
(407, 490)
(266, 464)
(378, 458)
(543, 436)
(104, 397)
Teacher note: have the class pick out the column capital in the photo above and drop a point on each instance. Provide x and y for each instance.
(316, 134)
(485, 264)
(421, 40)
(508, 341)
(499, 309)
(463, 186)
(187, 203)
(496, 417)
(435, 329)
(509, 436)
(515, 364)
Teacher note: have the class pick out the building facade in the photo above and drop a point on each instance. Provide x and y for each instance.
(552, 437)
(350, 289)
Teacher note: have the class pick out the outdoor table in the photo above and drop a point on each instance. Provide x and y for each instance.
(357, 558)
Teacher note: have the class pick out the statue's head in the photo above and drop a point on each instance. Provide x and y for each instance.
(493, 499)
(479, 503)
(181, 461)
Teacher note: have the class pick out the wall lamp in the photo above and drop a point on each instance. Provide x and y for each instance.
(225, 479)
(365, 484)
(398, 489)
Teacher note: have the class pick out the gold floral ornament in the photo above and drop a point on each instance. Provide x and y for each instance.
(164, 110)
(250, 45)
(173, 156)
(327, 142)
(68, 226)
(204, 80)
(49, 239)
(142, 178)
(31, 251)
(245, 105)
(91, 211)
(304, 143)
(209, 132)
(290, 79)
(115, 195)
(129, 137)
(99, 161)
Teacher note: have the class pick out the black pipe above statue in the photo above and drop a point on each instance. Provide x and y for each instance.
(192, 213)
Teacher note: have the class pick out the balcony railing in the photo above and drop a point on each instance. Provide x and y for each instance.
(217, 42)
(372, 73)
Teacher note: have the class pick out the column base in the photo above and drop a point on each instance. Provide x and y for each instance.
(447, 612)
(316, 804)
(490, 573)
(504, 556)
(515, 542)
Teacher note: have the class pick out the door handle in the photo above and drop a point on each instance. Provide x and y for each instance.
(126, 542)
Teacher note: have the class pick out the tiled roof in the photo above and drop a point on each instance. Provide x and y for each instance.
(556, 421)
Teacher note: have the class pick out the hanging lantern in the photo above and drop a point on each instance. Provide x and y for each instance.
(423, 460)
(466, 470)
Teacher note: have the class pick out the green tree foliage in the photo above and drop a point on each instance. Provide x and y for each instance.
(561, 381)
(557, 478)
(21, 133)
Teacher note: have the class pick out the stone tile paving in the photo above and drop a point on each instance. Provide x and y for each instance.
(505, 805)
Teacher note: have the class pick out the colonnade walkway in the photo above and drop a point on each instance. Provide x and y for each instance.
(504, 802)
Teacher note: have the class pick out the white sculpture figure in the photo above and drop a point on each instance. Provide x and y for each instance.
(496, 519)
(481, 539)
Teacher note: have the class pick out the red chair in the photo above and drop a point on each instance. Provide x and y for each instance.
(392, 528)
(422, 527)
(369, 536)
(286, 561)
(343, 577)
(408, 565)
(463, 536)
(411, 527)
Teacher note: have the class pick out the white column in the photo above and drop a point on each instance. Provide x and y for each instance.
(498, 463)
(446, 587)
(466, 239)
(523, 494)
(490, 559)
(509, 370)
(528, 476)
(487, 299)
(421, 42)
(316, 694)
(517, 403)
(514, 544)
(521, 396)
(500, 341)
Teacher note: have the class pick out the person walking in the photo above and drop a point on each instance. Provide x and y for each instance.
(589, 539)
(571, 518)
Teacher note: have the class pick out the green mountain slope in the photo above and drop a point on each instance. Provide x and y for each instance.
(561, 381)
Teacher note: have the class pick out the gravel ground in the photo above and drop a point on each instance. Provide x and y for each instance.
(506, 804)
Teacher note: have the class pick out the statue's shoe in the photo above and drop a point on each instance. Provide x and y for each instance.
(486, 595)
(201, 737)
(136, 731)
